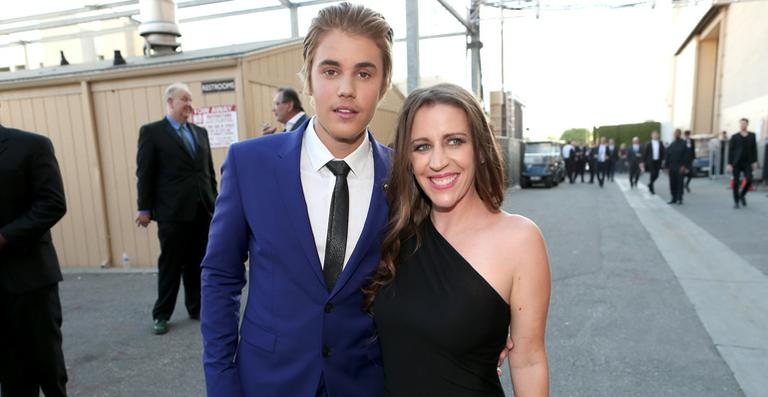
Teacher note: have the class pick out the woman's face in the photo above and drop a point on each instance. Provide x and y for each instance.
(442, 155)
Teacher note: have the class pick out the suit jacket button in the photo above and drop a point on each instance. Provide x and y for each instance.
(326, 351)
(328, 307)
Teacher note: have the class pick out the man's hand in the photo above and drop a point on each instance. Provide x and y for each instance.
(3, 242)
(143, 219)
(504, 354)
(267, 129)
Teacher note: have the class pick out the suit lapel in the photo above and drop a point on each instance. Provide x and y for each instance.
(3, 139)
(176, 138)
(288, 177)
(377, 211)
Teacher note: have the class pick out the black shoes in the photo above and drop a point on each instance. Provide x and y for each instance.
(743, 201)
(650, 187)
(736, 205)
(160, 327)
(672, 202)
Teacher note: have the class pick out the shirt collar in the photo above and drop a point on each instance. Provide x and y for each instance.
(175, 124)
(293, 120)
(319, 155)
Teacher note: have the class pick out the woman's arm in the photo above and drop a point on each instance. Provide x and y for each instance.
(529, 303)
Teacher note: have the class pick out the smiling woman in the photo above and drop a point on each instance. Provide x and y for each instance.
(457, 273)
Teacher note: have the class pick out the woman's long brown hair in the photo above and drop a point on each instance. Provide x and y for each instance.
(408, 205)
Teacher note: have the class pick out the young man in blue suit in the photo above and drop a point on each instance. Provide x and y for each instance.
(307, 210)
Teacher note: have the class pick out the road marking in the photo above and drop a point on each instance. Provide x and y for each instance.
(730, 296)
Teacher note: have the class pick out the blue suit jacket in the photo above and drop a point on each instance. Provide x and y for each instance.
(293, 330)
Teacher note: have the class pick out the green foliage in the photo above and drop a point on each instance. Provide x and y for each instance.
(623, 133)
(575, 135)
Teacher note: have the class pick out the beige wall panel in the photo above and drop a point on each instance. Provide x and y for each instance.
(745, 57)
(57, 113)
(705, 88)
(684, 82)
(94, 230)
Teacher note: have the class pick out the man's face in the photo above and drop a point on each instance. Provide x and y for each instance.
(655, 136)
(635, 141)
(677, 134)
(180, 106)
(283, 110)
(602, 141)
(743, 124)
(347, 75)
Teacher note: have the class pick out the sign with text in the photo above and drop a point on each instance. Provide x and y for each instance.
(217, 86)
(221, 123)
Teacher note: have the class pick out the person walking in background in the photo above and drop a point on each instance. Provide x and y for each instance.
(765, 161)
(634, 161)
(723, 151)
(742, 159)
(581, 160)
(31, 202)
(569, 158)
(714, 157)
(602, 155)
(286, 106)
(612, 160)
(589, 153)
(307, 209)
(176, 188)
(450, 248)
(690, 147)
(621, 161)
(676, 160)
(653, 158)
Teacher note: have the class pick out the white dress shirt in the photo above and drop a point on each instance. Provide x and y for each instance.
(655, 148)
(567, 151)
(601, 154)
(291, 124)
(317, 182)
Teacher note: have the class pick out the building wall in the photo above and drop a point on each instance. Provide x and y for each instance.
(744, 82)
(60, 113)
(121, 107)
(684, 83)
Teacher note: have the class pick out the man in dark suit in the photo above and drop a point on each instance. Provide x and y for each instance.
(31, 202)
(176, 188)
(742, 159)
(287, 108)
(611, 169)
(634, 160)
(581, 161)
(690, 147)
(602, 155)
(676, 160)
(653, 156)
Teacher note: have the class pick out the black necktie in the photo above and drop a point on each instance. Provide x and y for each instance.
(336, 240)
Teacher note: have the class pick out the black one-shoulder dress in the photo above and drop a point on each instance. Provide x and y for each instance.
(440, 324)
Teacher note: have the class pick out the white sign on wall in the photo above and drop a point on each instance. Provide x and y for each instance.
(221, 123)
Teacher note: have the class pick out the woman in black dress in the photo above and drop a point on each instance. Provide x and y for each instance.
(457, 273)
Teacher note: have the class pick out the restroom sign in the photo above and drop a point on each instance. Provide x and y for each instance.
(218, 86)
(221, 123)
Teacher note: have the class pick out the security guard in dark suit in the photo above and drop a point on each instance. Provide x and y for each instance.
(31, 202)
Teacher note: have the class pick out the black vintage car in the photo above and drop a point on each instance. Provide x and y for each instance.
(542, 164)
